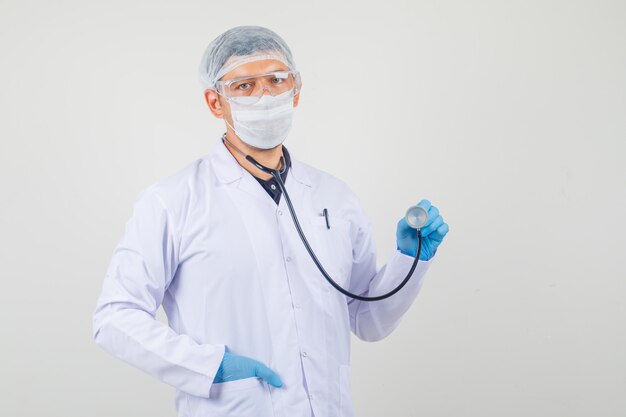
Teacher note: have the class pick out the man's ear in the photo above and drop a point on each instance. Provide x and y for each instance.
(213, 101)
(296, 99)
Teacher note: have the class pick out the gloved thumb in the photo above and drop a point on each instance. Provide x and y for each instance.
(268, 375)
(403, 230)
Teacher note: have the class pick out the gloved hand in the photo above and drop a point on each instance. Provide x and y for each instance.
(432, 233)
(235, 367)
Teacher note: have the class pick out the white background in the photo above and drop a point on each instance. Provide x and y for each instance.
(508, 115)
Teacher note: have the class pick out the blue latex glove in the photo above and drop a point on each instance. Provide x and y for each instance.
(235, 367)
(432, 233)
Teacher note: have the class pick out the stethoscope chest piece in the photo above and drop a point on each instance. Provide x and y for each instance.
(416, 217)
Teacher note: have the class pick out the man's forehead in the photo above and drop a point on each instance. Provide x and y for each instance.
(255, 67)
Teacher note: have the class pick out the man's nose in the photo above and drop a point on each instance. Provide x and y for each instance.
(262, 92)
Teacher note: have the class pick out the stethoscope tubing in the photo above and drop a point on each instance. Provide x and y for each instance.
(276, 174)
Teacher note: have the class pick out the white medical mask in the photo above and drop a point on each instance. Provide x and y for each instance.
(262, 122)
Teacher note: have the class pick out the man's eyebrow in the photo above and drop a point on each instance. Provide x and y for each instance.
(270, 71)
(253, 75)
(278, 70)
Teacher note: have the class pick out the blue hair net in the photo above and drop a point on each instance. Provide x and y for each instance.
(238, 46)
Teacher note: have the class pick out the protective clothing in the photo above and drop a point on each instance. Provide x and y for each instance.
(433, 233)
(199, 240)
(238, 46)
(264, 123)
(234, 367)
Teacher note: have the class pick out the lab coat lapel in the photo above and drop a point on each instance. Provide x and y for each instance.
(228, 171)
(298, 185)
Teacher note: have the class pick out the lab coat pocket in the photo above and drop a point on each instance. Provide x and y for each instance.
(345, 389)
(333, 247)
(242, 398)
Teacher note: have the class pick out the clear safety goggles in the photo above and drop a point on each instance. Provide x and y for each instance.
(277, 82)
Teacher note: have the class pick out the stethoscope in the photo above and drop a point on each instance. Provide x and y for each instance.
(416, 217)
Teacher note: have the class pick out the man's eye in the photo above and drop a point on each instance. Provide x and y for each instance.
(243, 86)
(277, 80)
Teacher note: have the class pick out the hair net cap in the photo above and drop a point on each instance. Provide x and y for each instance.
(240, 45)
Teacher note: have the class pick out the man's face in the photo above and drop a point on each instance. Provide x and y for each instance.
(220, 107)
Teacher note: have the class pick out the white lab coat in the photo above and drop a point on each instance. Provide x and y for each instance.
(226, 263)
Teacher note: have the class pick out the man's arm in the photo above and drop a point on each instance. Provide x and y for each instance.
(142, 267)
(374, 320)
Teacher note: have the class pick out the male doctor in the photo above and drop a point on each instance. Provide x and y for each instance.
(254, 328)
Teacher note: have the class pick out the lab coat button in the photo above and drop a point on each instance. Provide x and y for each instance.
(304, 354)
(288, 259)
(280, 212)
(296, 305)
